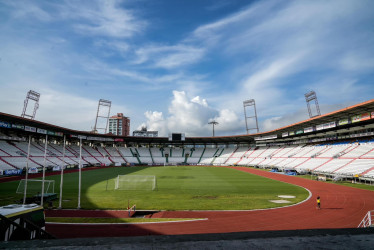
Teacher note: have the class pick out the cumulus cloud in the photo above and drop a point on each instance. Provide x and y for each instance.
(191, 116)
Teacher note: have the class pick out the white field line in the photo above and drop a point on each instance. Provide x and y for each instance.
(125, 223)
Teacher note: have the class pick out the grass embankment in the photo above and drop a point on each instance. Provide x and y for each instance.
(178, 188)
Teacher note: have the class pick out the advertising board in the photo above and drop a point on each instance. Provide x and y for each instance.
(18, 126)
(56, 168)
(5, 124)
(329, 125)
(319, 127)
(285, 134)
(30, 129)
(13, 172)
(33, 170)
(50, 132)
(332, 124)
(269, 137)
(308, 130)
(301, 131)
(343, 122)
(365, 116)
(356, 118)
(41, 131)
(361, 117)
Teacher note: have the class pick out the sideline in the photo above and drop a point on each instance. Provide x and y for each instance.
(127, 223)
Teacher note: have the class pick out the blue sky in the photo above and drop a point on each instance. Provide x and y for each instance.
(176, 65)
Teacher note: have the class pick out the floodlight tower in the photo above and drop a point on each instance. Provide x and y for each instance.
(213, 122)
(310, 96)
(250, 103)
(104, 104)
(33, 96)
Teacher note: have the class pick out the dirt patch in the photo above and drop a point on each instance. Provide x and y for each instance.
(207, 197)
(185, 177)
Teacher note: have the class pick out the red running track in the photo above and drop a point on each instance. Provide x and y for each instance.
(342, 207)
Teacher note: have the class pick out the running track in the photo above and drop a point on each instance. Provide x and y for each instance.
(342, 207)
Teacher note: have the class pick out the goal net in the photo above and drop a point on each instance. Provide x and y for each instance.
(135, 182)
(35, 186)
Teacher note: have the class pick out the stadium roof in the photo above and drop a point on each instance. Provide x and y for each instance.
(344, 113)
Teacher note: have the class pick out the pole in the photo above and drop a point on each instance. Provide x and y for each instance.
(45, 163)
(245, 116)
(80, 173)
(213, 123)
(256, 117)
(62, 173)
(27, 171)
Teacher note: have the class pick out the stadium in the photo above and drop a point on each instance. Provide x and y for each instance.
(132, 133)
(194, 185)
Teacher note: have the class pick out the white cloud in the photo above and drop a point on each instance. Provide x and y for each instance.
(299, 115)
(169, 56)
(271, 51)
(219, 4)
(286, 43)
(117, 46)
(55, 107)
(103, 18)
(94, 17)
(355, 62)
(26, 10)
(200, 101)
(156, 122)
(229, 122)
(191, 116)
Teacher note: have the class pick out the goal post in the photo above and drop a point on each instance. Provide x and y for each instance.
(34, 186)
(136, 182)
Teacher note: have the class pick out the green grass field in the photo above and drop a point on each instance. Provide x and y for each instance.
(178, 188)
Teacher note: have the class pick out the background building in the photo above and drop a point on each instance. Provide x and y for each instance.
(119, 125)
(145, 133)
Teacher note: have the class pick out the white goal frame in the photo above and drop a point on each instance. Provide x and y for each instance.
(48, 184)
(135, 182)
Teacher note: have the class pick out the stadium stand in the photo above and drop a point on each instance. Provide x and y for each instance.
(348, 159)
(340, 143)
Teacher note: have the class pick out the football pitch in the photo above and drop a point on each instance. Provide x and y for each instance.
(178, 188)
